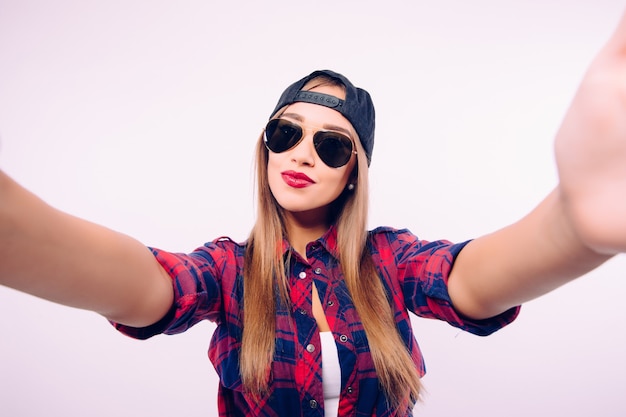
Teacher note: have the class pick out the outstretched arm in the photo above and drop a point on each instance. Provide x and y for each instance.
(53, 255)
(581, 224)
(520, 262)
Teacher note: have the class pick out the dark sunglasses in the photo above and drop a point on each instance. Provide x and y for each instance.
(334, 149)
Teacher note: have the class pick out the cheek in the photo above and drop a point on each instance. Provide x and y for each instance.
(343, 183)
(337, 183)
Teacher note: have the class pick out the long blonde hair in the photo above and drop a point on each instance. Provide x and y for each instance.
(265, 281)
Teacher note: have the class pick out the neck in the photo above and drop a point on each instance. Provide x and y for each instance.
(303, 228)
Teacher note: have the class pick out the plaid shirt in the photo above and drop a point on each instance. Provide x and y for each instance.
(208, 285)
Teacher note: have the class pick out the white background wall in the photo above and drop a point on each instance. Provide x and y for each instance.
(142, 115)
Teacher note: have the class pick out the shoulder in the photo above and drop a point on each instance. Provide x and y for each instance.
(385, 235)
(222, 247)
(228, 243)
(389, 246)
(403, 242)
(388, 231)
(218, 251)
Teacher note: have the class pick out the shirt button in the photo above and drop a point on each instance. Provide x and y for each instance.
(313, 404)
(302, 311)
(343, 338)
(310, 348)
(318, 271)
(302, 275)
(331, 303)
(349, 390)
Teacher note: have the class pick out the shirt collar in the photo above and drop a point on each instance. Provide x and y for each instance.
(328, 241)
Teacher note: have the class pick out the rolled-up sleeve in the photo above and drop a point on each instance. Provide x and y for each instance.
(423, 269)
(197, 280)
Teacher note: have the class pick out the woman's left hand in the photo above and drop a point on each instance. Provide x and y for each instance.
(591, 151)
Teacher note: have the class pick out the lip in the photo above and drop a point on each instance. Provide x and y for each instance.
(296, 179)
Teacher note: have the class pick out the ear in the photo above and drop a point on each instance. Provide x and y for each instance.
(352, 181)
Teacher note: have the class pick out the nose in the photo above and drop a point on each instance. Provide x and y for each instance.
(304, 152)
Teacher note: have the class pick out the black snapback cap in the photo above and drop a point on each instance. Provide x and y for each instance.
(357, 107)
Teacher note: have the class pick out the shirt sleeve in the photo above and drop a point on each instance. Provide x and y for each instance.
(423, 269)
(197, 279)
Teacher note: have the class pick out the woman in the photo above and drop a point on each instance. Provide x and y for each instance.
(310, 266)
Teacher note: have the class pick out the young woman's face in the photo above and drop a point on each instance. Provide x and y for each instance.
(299, 180)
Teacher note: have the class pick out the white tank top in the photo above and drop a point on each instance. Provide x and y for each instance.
(331, 374)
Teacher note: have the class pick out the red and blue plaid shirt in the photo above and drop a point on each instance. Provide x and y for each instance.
(208, 285)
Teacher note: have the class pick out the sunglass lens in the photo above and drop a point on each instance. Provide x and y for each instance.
(281, 135)
(335, 150)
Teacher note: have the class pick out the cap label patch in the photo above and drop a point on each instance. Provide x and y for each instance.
(319, 98)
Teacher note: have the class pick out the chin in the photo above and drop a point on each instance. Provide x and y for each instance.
(311, 211)
(300, 208)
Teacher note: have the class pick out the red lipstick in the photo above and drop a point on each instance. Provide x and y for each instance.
(296, 179)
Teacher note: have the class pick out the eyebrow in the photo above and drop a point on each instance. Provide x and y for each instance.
(326, 126)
